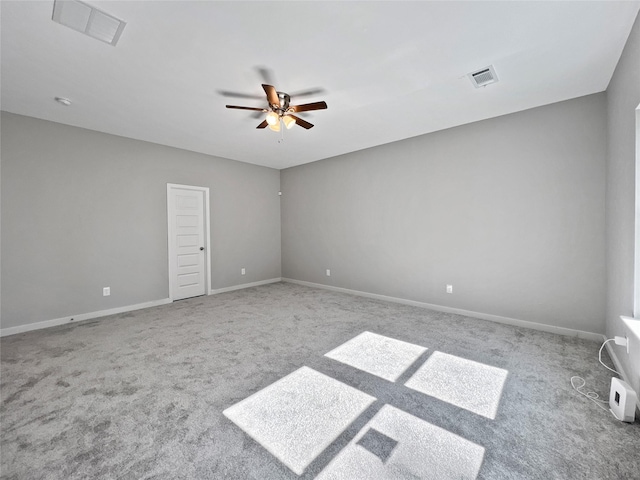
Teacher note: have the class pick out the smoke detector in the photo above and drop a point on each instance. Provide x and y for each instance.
(88, 20)
(483, 77)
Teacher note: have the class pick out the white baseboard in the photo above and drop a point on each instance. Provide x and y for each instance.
(484, 316)
(244, 285)
(78, 318)
(112, 311)
(616, 362)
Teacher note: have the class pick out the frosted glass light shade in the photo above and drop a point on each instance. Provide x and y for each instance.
(276, 127)
(273, 118)
(288, 121)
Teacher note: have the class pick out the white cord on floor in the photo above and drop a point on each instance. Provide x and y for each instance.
(591, 395)
(600, 356)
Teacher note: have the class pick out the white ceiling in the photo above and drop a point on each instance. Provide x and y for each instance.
(387, 70)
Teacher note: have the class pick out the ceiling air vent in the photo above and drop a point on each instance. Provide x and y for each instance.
(483, 77)
(88, 20)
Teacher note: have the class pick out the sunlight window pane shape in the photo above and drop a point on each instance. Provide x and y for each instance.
(298, 416)
(378, 355)
(422, 450)
(464, 383)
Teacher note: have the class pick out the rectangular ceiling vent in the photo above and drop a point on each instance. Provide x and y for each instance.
(483, 77)
(88, 20)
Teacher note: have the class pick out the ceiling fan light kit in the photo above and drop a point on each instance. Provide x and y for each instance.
(272, 118)
(281, 111)
(275, 127)
(288, 121)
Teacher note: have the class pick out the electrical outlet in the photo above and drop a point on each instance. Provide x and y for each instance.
(449, 288)
(622, 341)
(328, 272)
(106, 291)
(243, 271)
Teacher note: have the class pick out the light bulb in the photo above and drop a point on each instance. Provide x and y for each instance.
(288, 121)
(273, 118)
(276, 127)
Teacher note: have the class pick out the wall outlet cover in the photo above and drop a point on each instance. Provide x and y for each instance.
(622, 400)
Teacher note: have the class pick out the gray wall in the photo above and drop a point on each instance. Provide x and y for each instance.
(623, 97)
(511, 211)
(82, 210)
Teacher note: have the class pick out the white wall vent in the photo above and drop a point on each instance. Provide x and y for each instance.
(483, 77)
(88, 20)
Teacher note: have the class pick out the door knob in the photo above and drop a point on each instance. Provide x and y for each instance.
(201, 248)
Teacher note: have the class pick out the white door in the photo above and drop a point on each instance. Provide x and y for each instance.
(188, 242)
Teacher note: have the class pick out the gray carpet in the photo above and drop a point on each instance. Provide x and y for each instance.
(142, 395)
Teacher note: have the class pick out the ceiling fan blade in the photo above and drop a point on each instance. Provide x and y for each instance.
(308, 106)
(301, 122)
(272, 95)
(228, 93)
(263, 124)
(266, 74)
(248, 108)
(306, 93)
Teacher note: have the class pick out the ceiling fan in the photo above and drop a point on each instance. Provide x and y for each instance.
(280, 110)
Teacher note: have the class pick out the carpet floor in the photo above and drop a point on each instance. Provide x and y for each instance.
(284, 381)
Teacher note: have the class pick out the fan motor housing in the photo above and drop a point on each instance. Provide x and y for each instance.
(285, 100)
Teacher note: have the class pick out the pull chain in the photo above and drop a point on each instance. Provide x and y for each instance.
(281, 131)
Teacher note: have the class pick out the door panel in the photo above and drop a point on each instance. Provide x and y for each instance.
(186, 242)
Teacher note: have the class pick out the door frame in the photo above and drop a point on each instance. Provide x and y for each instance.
(171, 247)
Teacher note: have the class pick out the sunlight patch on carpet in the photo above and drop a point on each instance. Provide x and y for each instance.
(298, 416)
(378, 355)
(464, 383)
(412, 448)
